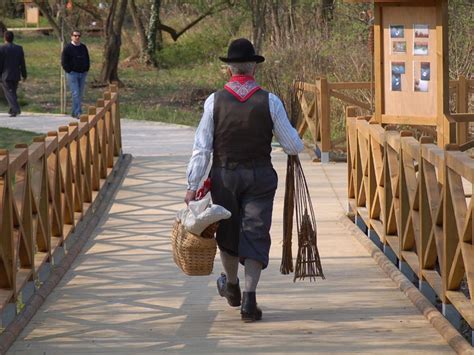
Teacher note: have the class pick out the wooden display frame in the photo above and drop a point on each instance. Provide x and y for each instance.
(419, 108)
(406, 94)
(32, 14)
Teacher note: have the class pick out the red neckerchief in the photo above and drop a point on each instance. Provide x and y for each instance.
(242, 87)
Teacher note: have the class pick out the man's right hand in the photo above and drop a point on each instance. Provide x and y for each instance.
(190, 196)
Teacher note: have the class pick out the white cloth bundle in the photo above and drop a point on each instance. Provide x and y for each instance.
(201, 214)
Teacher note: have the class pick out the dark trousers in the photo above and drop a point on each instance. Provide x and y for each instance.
(248, 194)
(9, 89)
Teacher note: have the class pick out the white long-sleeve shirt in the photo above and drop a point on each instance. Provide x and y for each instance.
(285, 134)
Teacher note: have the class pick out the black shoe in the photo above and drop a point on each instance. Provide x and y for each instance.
(249, 311)
(230, 291)
(13, 114)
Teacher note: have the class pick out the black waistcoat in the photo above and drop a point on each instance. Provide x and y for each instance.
(243, 131)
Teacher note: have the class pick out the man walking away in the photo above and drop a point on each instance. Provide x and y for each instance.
(76, 63)
(237, 127)
(12, 68)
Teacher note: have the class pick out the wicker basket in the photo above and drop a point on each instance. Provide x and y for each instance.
(194, 254)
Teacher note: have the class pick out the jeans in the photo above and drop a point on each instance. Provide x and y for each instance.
(77, 83)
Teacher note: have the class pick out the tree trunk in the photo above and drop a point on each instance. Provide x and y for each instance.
(258, 9)
(140, 27)
(291, 20)
(276, 27)
(3, 29)
(328, 10)
(113, 41)
(154, 33)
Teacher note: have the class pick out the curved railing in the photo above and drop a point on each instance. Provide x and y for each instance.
(47, 188)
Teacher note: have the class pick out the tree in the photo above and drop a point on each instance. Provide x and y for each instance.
(328, 10)
(258, 10)
(113, 41)
(46, 9)
(151, 34)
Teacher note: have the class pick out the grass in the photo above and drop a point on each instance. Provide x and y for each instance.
(173, 95)
(10, 137)
(20, 23)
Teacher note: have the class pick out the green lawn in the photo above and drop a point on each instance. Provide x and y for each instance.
(173, 95)
(10, 137)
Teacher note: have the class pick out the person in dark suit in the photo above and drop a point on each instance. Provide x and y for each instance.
(12, 69)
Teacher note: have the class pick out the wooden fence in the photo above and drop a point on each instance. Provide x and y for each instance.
(417, 198)
(315, 102)
(46, 189)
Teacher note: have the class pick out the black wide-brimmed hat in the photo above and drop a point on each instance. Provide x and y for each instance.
(241, 50)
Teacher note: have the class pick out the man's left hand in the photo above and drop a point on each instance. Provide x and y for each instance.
(190, 196)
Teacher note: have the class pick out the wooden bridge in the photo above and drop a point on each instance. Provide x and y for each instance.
(86, 263)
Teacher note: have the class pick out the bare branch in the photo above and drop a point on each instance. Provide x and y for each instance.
(212, 10)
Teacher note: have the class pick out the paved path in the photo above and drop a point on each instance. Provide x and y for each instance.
(124, 295)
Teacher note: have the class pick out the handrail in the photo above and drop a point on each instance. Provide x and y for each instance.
(315, 101)
(47, 188)
(415, 200)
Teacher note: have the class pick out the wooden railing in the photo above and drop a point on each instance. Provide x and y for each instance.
(46, 188)
(315, 102)
(416, 198)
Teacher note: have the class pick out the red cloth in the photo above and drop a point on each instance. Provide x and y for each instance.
(242, 87)
(205, 188)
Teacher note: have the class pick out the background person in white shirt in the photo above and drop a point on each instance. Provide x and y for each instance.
(237, 127)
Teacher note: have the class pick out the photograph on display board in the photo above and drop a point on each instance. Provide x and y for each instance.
(399, 47)
(425, 70)
(398, 69)
(396, 82)
(422, 74)
(421, 31)
(397, 31)
(420, 48)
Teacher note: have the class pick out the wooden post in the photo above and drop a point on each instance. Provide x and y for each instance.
(325, 110)
(351, 113)
(462, 129)
(94, 131)
(110, 133)
(87, 157)
(43, 238)
(102, 125)
(56, 182)
(449, 228)
(428, 196)
(23, 209)
(445, 131)
(378, 63)
(116, 118)
(7, 274)
(76, 156)
(371, 172)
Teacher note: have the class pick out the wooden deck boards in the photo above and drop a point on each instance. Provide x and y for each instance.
(125, 295)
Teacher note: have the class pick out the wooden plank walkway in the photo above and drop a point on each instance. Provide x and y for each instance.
(124, 295)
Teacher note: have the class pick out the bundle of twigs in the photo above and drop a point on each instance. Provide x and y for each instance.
(298, 201)
(308, 262)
